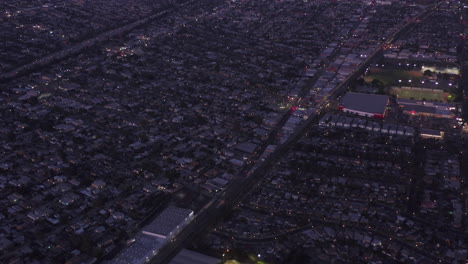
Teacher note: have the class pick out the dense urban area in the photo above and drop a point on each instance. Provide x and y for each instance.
(233, 131)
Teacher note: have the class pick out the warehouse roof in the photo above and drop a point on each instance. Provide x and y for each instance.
(142, 248)
(168, 220)
(186, 256)
(369, 103)
(147, 244)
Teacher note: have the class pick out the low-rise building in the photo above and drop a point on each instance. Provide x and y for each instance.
(370, 105)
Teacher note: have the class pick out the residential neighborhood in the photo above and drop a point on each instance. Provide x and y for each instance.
(241, 130)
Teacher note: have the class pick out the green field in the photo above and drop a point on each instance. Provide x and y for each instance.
(420, 95)
(391, 77)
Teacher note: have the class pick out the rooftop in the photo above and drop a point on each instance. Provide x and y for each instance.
(144, 246)
(187, 256)
(168, 220)
(369, 103)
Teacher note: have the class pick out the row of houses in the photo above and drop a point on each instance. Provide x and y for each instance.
(340, 121)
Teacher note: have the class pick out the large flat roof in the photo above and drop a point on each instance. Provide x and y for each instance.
(168, 220)
(143, 247)
(369, 103)
(186, 256)
(147, 245)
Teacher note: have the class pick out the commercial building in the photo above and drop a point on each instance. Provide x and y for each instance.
(415, 107)
(370, 105)
(187, 256)
(154, 236)
(169, 222)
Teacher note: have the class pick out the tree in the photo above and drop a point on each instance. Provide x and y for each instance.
(427, 73)
(360, 81)
(377, 83)
(445, 76)
(451, 97)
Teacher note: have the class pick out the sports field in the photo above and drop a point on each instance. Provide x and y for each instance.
(420, 94)
(392, 77)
